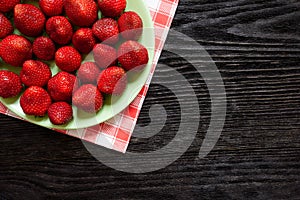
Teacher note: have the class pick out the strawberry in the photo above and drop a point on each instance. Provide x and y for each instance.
(8, 5)
(6, 27)
(133, 55)
(104, 55)
(130, 25)
(15, 49)
(81, 12)
(61, 86)
(88, 98)
(10, 84)
(35, 73)
(112, 80)
(67, 59)
(51, 7)
(43, 48)
(84, 40)
(60, 113)
(35, 101)
(59, 29)
(29, 19)
(112, 8)
(88, 72)
(106, 30)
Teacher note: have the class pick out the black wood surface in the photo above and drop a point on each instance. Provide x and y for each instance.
(256, 46)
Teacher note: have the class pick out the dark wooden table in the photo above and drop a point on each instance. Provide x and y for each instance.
(256, 46)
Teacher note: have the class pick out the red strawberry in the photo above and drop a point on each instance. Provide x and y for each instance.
(104, 55)
(29, 19)
(10, 84)
(133, 55)
(59, 29)
(35, 101)
(60, 113)
(106, 29)
(88, 72)
(6, 27)
(8, 5)
(67, 59)
(112, 80)
(61, 86)
(43, 48)
(15, 49)
(81, 12)
(35, 73)
(84, 40)
(112, 8)
(88, 98)
(130, 25)
(51, 7)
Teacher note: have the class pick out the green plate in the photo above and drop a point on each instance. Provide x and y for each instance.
(113, 104)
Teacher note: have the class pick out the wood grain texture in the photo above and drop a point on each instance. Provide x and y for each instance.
(256, 46)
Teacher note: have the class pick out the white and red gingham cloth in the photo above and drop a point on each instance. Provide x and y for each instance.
(116, 132)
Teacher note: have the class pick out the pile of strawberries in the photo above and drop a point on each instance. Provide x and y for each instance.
(65, 31)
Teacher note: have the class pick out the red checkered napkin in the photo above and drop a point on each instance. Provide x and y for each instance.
(116, 132)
